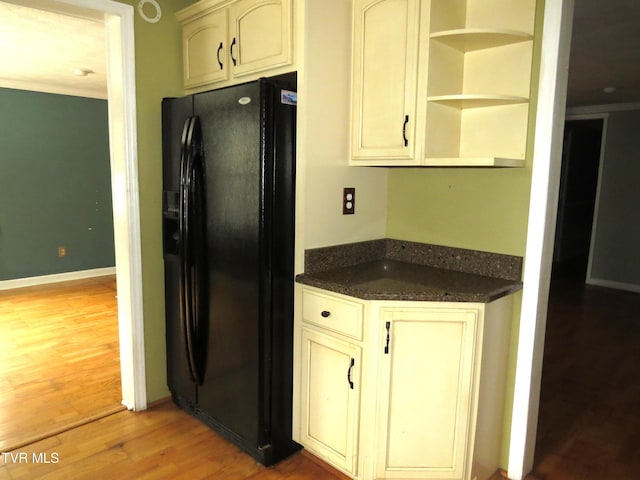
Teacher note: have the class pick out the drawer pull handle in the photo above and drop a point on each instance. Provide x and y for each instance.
(387, 325)
(353, 362)
(325, 313)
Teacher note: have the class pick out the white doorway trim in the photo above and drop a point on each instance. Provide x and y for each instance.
(119, 33)
(126, 208)
(543, 204)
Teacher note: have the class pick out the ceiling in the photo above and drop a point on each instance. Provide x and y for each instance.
(604, 52)
(40, 50)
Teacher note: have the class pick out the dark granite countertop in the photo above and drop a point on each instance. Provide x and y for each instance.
(397, 270)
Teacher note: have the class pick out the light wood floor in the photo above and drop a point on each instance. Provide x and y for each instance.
(59, 358)
(60, 387)
(160, 443)
(589, 422)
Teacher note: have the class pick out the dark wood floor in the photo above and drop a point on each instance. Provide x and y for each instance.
(589, 421)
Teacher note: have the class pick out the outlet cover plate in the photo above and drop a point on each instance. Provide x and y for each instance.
(348, 201)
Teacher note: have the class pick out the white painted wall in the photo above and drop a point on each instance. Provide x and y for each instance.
(324, 141)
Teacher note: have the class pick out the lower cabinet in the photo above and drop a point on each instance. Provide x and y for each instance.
(425, 392)
(410, 396)
(330, 397)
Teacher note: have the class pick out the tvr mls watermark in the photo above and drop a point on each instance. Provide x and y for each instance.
(34, 457)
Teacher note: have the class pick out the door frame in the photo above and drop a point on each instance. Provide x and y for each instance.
(543, 205)
(119, 36)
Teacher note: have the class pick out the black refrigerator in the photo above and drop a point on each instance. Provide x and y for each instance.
(228, 239)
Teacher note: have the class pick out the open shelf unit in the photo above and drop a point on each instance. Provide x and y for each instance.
(478, 82)
(441, 82)
(470, 39)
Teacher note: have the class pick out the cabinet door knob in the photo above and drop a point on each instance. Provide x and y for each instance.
(325, 313)
(218, 55)
(353, 362)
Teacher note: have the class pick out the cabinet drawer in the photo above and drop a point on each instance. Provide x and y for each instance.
(332, 313)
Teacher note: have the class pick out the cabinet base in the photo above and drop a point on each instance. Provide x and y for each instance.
(325, 466)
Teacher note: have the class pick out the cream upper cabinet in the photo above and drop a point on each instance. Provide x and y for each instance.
(385, 59)
(473, 83)
(260, 32)
(204, 41)
(425, 392)
(227, 41)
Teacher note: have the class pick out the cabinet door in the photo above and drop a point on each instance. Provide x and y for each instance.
(204, 47)
(385, 60)
(330, 398)
(260, 36)
(425, 389)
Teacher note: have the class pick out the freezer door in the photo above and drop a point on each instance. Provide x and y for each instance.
(175, 115)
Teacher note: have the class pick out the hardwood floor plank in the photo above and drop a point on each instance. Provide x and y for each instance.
(59, 357)
(589, 421)
(163, 442)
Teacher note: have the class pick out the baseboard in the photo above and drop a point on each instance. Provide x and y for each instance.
(57, 277)
(629, 287)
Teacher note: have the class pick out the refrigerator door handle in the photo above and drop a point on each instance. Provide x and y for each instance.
(197, 253)
(184, 249)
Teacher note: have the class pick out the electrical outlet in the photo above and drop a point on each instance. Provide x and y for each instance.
(348, 201)
(62, 252)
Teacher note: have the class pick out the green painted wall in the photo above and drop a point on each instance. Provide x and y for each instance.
(480, 209)
(55, 184)
(158, 51)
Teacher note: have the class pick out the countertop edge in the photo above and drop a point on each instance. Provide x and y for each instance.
(365, 294)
